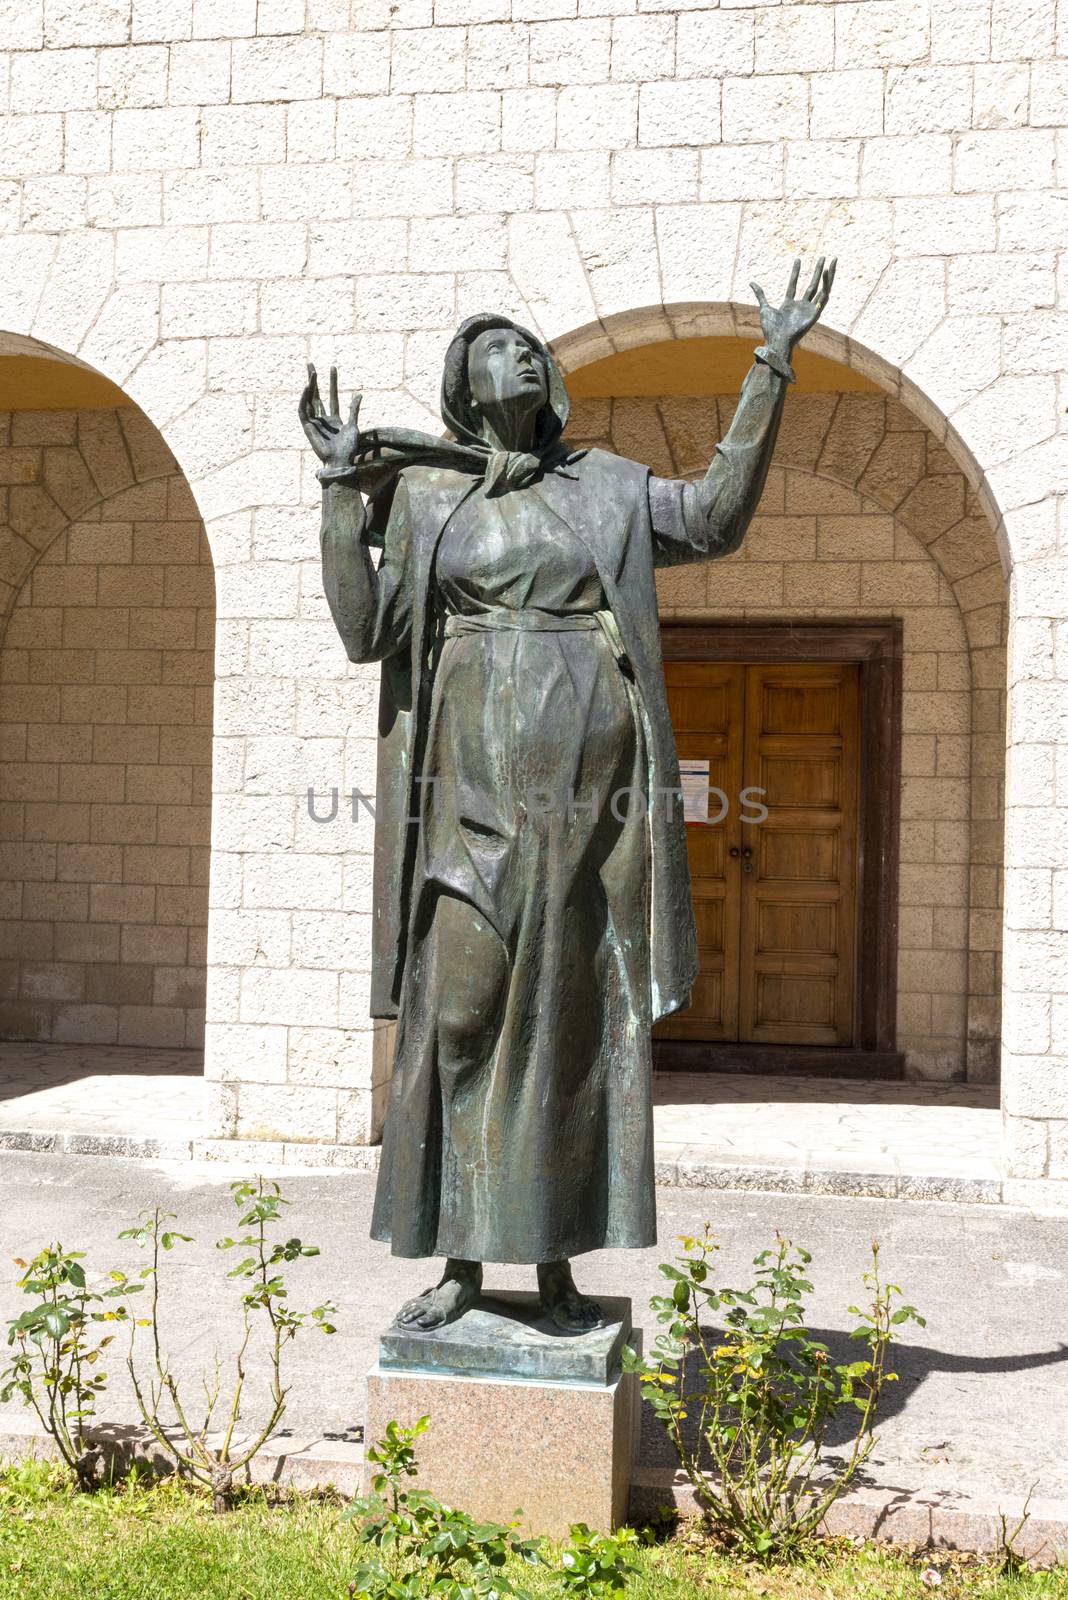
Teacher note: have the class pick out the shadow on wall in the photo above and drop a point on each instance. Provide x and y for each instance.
(728, 1088)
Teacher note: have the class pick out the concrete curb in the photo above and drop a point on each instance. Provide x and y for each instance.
(688, 1172)
(291, 1463)
(127, 1146)
(674, 1170)
(941, 1518)
(245, 1153)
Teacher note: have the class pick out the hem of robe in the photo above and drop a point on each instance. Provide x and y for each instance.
(561, 1252)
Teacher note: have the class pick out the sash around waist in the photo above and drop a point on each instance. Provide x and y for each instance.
(533, 620)
(529, 620)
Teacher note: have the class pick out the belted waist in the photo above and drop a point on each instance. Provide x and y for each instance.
(529, 620)
(533, 620)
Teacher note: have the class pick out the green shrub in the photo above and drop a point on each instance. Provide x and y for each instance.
(55, 1365)
(56, 1362)
(748, 1405)
(209, 1458)
(422, 1548)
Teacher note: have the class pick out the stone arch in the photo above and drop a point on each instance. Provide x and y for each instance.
(866, 442)
(872, 454)
(640, 326)
(52, 484)
(106, 668)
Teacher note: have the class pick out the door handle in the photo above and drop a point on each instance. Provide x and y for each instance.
(734, 851)
(747, 852)
(747, 866)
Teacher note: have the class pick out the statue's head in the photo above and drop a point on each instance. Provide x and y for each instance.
(493, 364)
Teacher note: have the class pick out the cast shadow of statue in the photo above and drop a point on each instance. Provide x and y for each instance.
(913, 1363)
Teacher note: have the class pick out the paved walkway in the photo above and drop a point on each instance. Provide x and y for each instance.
(981, 1408)
(51, 1093)
(792, 1135)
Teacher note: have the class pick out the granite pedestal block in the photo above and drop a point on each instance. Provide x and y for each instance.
(523, 1417)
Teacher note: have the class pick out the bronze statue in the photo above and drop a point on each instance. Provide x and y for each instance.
(532, 912)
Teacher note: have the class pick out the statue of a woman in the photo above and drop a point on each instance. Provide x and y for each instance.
(532, 913)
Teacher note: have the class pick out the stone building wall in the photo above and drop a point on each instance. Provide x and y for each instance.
(197, 198)
(106, 670)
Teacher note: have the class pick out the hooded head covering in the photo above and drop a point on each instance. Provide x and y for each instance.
(457, 408)
(383, 453)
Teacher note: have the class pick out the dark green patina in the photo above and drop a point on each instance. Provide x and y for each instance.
(511, 1334)
(532, 912)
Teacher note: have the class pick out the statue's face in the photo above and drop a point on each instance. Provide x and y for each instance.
(503, 369)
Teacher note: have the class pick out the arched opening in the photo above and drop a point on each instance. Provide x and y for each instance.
(107, 617)
(871, 514)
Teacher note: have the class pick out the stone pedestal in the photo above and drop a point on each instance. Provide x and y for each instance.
(523, 1418)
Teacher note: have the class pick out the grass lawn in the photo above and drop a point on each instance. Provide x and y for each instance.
(164, 1543)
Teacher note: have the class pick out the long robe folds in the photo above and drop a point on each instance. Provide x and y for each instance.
(525, 945)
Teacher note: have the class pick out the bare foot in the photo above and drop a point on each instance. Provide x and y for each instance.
(460, 1287)
(574, 1312)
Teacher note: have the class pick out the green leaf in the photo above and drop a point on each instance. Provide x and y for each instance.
(56, 1321)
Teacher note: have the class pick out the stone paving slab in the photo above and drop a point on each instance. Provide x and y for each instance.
(101, 1099)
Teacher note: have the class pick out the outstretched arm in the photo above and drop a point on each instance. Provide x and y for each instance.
(699, 521)
(368, 604)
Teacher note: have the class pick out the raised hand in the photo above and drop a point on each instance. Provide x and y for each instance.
(334, 441)
(785, 325)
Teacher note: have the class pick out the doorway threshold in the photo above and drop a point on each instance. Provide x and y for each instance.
(779, 1060)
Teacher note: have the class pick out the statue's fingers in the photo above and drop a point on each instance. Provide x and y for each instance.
(817, 277)
(354, 410)
(762, 298)
(315, 404)
(310, 404)
(335, 404)
(795, 274)
(825, 290)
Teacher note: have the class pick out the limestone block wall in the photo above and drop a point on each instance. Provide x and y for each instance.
(196, 198)
(865, 515)
(106, 670)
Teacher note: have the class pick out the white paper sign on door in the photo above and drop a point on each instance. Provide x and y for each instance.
(695, 792)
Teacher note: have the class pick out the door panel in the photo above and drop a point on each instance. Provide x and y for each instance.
(786, 852)
(775, 902)
(797, 929)
(707, 699)
(789, 781)
(796, 955)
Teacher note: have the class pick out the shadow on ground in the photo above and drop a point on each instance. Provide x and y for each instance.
(27, 1068)
(913, 1363)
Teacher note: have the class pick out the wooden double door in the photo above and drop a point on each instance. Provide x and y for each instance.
(775, 865)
